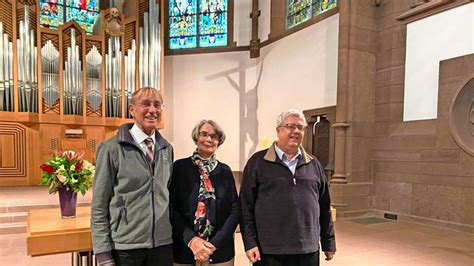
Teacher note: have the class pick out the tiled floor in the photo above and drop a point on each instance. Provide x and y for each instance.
(389, 243)
(392, 243)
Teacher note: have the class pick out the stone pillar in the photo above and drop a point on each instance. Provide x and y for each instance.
(340, 153)
(352, 180)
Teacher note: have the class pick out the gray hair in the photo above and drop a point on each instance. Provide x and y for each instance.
(291, 112)
(218, 129)
(146, 92)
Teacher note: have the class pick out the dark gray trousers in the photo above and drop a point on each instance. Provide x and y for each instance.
(310, 259)
(159, 256)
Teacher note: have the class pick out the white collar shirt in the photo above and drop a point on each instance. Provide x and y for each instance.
(139, 137)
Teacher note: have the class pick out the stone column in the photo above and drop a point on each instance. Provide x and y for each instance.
(340, 153)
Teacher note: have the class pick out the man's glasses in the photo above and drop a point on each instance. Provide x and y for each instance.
(205, 135)
(148, 104)
(293, 127)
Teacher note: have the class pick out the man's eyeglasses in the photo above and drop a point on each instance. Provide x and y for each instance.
(148, 104)
(293, 127)
(205, 135)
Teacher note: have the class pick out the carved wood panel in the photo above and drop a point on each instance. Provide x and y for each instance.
(142, 8)
(13, 151)
(50, 139)
(6, 18)
(130, 34)
(94, 136)
(73, 144)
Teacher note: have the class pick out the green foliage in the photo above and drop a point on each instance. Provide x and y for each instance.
(67, 169)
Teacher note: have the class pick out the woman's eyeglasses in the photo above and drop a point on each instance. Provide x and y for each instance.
(205, 135)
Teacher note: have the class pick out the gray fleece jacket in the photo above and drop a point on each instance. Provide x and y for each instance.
(130, 202)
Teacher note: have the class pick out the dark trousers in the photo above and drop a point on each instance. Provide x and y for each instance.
(159, 256)
(310, 259)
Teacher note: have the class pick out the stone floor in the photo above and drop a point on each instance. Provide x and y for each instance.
(387, 243)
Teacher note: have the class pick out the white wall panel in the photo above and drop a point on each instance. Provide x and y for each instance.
(430, 40)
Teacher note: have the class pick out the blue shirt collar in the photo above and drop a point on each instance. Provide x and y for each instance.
(281, 154)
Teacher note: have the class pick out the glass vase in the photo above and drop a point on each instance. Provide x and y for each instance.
(67, 201)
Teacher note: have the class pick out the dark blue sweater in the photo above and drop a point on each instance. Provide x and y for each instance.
(284, 213)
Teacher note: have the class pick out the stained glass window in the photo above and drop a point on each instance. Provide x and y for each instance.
(322, 6)
(52, 13)
(299, 11)
(183, 24)
(58, 12)
(197, 23)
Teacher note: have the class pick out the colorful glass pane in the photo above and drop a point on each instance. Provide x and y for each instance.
(182, 7)
(212, 6)
(83, 17)
(85, 12)
(322, 6)
(182, 24)
(183, 42)
(213, 23)
(52, 14)
(298, 11)
(194, 23)
(213, 40)
(53, 1)
(213, 29)
(92, 5)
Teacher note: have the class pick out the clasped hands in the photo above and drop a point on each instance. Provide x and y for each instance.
(201, 248)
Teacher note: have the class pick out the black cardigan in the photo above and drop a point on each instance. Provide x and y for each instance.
(183, 196)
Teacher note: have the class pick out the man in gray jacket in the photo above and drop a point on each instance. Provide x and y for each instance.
(130, 205)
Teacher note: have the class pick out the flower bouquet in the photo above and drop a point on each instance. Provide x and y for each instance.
(67, 173)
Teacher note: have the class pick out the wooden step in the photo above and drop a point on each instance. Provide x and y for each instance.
(13, 217)
(12, 228)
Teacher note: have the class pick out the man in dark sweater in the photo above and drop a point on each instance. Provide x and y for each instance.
(285, 201)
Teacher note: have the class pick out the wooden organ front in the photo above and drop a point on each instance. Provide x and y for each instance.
(63, 89)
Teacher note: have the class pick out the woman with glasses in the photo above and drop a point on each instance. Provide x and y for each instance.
(204, 202)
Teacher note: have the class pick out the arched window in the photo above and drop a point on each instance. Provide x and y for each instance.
(299, 11)
(58, 12)
(197, 23)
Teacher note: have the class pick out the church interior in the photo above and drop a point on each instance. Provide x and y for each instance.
(386, 86)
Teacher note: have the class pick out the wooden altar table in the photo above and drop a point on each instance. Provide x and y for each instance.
(47, 233)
